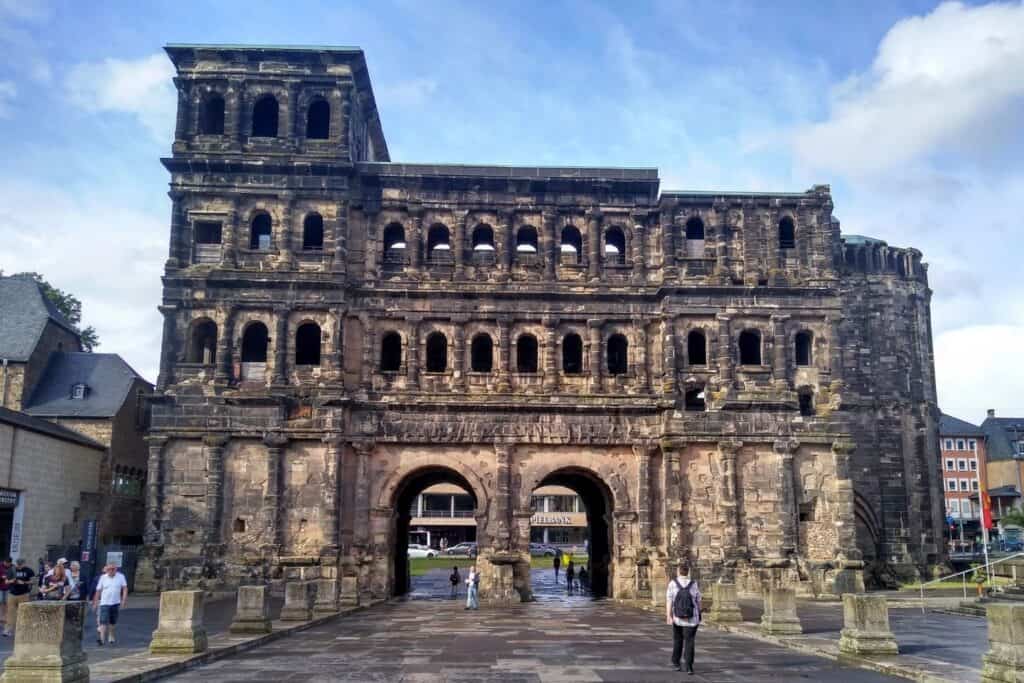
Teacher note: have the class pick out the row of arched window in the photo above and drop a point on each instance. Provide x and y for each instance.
(255, 340)
(265, 117)
(694, 230)
(261, 230)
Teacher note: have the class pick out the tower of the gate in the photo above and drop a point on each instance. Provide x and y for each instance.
(739, 384)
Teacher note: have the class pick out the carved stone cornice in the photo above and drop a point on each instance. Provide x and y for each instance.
(215, 440)
(730, 447)
(785, 446)
(275, 440)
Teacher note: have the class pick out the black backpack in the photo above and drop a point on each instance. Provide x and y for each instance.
(682, 604)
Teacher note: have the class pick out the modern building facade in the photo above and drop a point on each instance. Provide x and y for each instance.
(962, 446)
(720, 377)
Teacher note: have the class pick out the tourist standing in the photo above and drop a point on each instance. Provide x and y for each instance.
(570, 574)
(76, 583)
(55, 584)
(6, 567)
(20, 590)
(682, 612)
(473, 585)
(557, 563)
(455, 580)
(111, 595)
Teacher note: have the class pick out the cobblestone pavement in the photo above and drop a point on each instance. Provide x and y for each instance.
(558, 639)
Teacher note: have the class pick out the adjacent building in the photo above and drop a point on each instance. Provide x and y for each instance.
(962, 447)
(1005, 442)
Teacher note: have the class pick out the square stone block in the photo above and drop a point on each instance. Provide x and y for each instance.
(1004, 661)
(780, 618)
(252, 615)
(866, 626)
(724, 606)
(326, 598)
(48, 644)
(298, 601)
(180, 628)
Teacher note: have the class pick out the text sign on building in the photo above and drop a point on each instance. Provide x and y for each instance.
(115, 558)
(547, 519)
(8, 498)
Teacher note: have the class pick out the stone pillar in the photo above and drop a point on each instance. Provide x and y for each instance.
(780, 358)
(459, 355)
(338, 350)
(154, 489)
(642, 452)
(1004, 661)
(459, 245)
(252, 614)
(866, 626)
(726, 495)
(668, 378)
(168, 347)
(339, 264)
(594, 245)
(224, 372)
(502, 522)
(412, 356)
(233, 111)
(668, 247)
(850, 577)
(229, 240)
(281, 346)
(638, 255)
(594, 352)
(180, 630)
(413, 239)
(298, 601)
(725, 608)
(507, 244)
(675, 533)
(550, 383)
(213, 447)
(276, 443)
(724, 350)
(643, 375)
(504, 355)
(361, 520)
(332, 468)
(369, 351)
(286, 232)
(326, 598)
(780, 618)
(549, 245)
(789, 511)
(48, 644)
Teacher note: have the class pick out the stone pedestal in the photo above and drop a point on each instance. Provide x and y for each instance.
(724, 606)
(326, 598)
(350, 591)
(48, 644)
(180, 629)
(866, 626)
(253, 612)
(298, 601)
(1004, 661)
(780, 617)
(502, 588)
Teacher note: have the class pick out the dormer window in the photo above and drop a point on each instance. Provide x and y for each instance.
(78, 391)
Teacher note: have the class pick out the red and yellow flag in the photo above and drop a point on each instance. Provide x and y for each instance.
(986, 510)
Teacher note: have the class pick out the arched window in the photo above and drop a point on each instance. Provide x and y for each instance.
(806, 398)
(695, 228)
(318, 120)
(264, 117)
(526, 353)
(254, 343)
(437, 352)
(391, 352)
(572, 244)
(615, 245)
(438, 240)
(803, 348)
(203, 347)
(526, 240)
(211, 117)
(481, 353)
(259, 232)
(313, 232)
(483, 238)
(787, 233)
(394, 242)
(618, 351)
(750, 347)
(307, 344)
(572, 354)
(697, 348)
(695, 399)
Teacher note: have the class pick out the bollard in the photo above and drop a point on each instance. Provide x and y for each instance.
(326, 598)
(298, 604)
(866, 626)
(724, 606)
(252, 615)
(180, 629)
(780, 617)
(1004, 661)
(48, 644)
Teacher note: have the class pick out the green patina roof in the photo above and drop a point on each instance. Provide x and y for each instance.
(237, 46)
(861, 239)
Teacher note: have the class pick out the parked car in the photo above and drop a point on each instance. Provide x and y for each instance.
(542, 550)
(466, 549)
(416, 551)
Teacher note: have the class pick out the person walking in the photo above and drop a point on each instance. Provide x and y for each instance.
(570, 574)
(111, 595)
(556, 562)
(473, 584)
(455, 580)
(6, 573)
(682, 612)
(20, 590)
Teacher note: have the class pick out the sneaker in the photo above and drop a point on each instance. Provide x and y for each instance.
(99, 641)
(111, 642)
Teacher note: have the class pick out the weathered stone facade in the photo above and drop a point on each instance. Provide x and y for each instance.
(721, 376)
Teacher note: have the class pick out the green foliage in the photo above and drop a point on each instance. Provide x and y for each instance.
(1015, 516)
(69, 305)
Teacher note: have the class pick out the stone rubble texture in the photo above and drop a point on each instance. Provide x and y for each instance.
(264, 470)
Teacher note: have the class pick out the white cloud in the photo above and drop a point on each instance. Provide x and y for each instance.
(978, 368)
(414, 92)
(8, 92)
(140, 87)
(939, 79)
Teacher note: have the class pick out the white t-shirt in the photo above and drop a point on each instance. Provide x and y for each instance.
(110, 588)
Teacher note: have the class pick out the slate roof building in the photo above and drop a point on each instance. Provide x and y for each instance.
(1005, 442)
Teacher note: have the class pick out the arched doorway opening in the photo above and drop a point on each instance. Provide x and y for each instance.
(572, 510)
(435, 510)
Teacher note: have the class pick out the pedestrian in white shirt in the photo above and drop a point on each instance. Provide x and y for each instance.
(682, 612)
(110, 596)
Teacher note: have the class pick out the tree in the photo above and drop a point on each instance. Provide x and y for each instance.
(71, 308)
(1014, 516)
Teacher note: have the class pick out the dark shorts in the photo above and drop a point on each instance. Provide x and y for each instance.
(108, 614)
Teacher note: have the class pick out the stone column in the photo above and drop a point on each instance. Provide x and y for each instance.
(369, 351)
(413, 239)
(412, 356)
(780, 618)
(168, 347)
(229, 240)
(549, 245)
(459, 355)
(502, 540)
(866, 626)
(594, 245)
(780, 358)
(726, 495)
(594, 352)
(326, 598)
(335, 445)
(642, 453)
(252, 614)
(643, 375)
(459, 245)
(298, 601)
(669, 384)
(224, 372)
(675, 533)
(724, 349)
(179, 254)
(213, 447)
(48, 643)
(180, 630)
(286, 232)
(154, 488)
(507, 244)
(276, 444)
(1004, 661)
(361, 519)
(725, 608)
(504, 355)
(638, 255)
(339, 263)
(338, 350)
(233, 112)
(789, 510)
(850, 577)
(550, 382)
(280, 346)
(668, 247)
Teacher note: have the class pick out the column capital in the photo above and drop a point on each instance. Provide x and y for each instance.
(215, 440)
(156, 441)
(723, 317)
(643, 447)
(363, 447)
(333, 440)
(275, 440)
(730, 447)
(843, 447)
(785, 446)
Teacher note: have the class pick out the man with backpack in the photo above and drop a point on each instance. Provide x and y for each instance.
(682, 612)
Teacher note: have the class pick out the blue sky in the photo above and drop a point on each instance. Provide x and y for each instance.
(910, 110)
